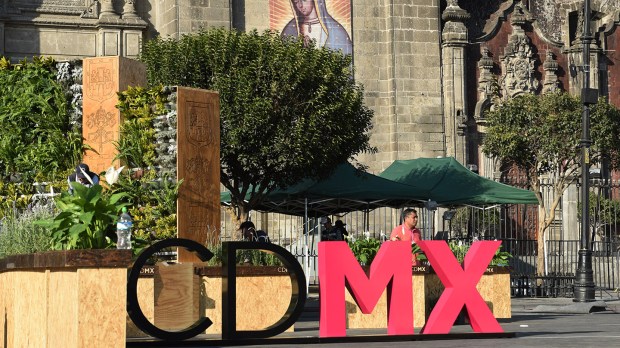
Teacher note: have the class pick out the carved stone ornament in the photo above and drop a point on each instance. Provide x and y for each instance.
(551, 78)
(485, 84)
(518, 63)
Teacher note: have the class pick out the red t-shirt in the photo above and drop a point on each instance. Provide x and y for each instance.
(403, 234)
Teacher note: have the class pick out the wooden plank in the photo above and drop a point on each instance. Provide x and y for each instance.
(95, 258)
(102, 298)
(62, 322)
(174, 296)
(30, 309)
(261, 301)
(146, 295)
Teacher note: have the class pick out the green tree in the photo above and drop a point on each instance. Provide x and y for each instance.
(540, 135)
(288, 111)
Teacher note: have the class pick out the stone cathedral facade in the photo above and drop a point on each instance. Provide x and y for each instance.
(428, 66)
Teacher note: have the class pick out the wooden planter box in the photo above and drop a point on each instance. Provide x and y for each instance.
(427, 288)
(74, 298)
(176, 295)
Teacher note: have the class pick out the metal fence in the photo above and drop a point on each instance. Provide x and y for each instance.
(514, 224)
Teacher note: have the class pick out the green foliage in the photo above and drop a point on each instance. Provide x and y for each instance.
(485, 222)
(37, 140)
(288, 111)
(365, 249)
(138, 107)
(540, 134)
(501, 258)
(20, 235)
(86, 219)
(153, 204)
(243, 257)
(603, 211)
(420, 255)
(460, 249)
(13, 198)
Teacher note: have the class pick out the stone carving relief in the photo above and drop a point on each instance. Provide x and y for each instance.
(550, 66)
(66, 7)
(518, 62)
(486, 80)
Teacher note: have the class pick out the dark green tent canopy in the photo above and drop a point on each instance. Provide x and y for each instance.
(346, 189)
(450, 183)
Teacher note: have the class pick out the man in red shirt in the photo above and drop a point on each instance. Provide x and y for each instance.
(407, 231)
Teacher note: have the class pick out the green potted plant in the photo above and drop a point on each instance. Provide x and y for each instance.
(86, 219)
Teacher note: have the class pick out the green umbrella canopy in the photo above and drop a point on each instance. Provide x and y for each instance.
(450, 183)
(346, 189)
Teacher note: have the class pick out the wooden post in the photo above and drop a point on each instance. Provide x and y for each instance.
(103, 78)
(198, 165)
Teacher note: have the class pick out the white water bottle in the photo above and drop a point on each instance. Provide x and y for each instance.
(123, 230)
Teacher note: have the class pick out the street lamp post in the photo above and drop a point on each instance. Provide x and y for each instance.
(584, 278)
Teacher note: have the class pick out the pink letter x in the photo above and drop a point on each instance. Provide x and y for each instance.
(460, 286)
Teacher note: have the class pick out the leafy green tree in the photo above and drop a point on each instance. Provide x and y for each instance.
(288, 111)
(540, 135)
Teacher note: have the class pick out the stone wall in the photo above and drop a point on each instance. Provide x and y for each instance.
(415, 86)
(70, 29)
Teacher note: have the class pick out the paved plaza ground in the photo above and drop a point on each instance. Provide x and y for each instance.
(536, 322)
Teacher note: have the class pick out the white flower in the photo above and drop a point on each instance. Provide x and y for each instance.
(111, 175)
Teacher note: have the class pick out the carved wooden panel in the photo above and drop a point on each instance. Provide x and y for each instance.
(198, 165)
(104, 77)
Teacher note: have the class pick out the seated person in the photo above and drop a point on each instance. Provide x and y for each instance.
(250, 234)
(84, 176)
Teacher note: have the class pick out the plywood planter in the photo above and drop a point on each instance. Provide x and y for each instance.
(494, 286)
(176, 295)
(73, 298)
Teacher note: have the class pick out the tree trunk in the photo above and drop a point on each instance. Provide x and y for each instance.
(540, 238)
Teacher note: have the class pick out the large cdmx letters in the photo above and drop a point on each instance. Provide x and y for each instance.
(460, 286)
(391, 268)
(229, 308)
(338, 269)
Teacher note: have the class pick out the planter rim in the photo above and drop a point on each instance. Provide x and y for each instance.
(84, 258)
(243, 271)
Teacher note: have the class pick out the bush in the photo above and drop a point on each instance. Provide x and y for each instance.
(20, 235)
(37, 140)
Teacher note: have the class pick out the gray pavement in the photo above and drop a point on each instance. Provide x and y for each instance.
(536, 322)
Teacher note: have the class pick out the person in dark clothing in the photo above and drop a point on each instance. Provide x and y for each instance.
(341, 231)
(84, 176)
(249, 233)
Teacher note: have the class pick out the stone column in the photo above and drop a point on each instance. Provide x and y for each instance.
(103, 77)
(455, 40)
(107, 9)
(198, 165)
(575, 61)
(570, 209)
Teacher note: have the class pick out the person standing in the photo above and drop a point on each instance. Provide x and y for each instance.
(407, 231)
